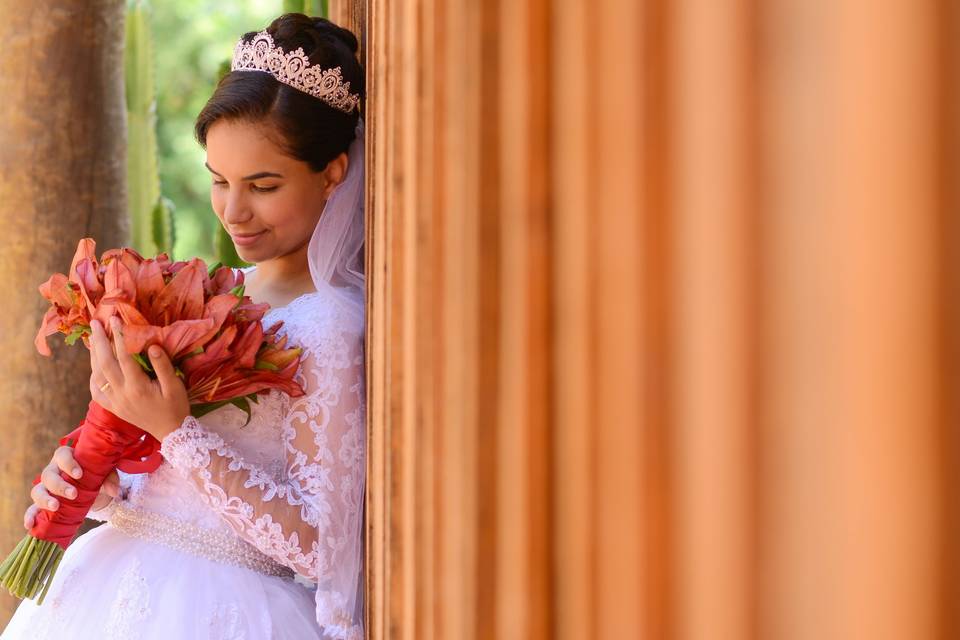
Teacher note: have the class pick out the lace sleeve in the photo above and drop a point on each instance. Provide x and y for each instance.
(309, 521)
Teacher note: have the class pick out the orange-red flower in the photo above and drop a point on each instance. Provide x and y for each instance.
(210, 330)
(212, 334)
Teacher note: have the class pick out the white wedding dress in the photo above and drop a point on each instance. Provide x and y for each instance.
(244, 532)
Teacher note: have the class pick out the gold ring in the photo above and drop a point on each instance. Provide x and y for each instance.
(104, 387)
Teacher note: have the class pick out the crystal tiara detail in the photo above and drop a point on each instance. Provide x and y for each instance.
(293, 69)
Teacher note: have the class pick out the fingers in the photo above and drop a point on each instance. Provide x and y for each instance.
(131, 370)
(111, 485)
(42, 499)
(30, 516)
(164, 369)
(64, 459)
(102, 358)
(50, 480)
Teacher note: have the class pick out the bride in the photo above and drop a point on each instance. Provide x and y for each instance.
(246, 530)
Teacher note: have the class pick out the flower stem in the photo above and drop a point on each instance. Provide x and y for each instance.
(30, 567)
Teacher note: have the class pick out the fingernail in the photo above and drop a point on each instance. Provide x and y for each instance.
(155, 352)
(52, 504)
(71, 492)
(76, 472)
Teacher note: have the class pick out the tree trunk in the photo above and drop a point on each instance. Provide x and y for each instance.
(62, 177)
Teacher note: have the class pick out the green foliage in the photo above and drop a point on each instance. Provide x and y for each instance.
(224, 249)
(317, 8)
(192, 40)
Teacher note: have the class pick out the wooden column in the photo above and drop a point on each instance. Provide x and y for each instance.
(664, 319)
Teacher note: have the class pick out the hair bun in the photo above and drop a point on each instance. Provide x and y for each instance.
(343, 35)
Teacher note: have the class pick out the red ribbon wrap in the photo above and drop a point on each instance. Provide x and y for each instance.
(104, 442)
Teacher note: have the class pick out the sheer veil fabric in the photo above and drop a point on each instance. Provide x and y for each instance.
(336, 256)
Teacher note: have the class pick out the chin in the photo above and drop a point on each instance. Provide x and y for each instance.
(250, 254)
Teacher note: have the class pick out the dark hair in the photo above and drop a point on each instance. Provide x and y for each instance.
(309, 129)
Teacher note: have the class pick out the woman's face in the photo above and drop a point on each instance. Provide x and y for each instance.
(267, 201)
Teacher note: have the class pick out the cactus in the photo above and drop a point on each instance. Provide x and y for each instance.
(151, 215)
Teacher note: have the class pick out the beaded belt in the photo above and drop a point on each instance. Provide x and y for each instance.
(218, 546)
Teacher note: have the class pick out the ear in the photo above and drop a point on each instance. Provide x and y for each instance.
(334, 173)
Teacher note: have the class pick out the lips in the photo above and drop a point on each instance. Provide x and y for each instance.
(246, 239)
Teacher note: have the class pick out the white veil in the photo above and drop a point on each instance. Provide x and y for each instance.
(336, 248)
(336, 256)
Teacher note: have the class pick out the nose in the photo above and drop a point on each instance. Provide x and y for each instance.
(236, 210)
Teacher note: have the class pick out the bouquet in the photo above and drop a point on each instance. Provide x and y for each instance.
(212, 334)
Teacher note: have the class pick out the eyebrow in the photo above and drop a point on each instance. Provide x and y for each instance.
(254, 176)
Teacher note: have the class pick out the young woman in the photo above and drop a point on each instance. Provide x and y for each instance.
(245, 531)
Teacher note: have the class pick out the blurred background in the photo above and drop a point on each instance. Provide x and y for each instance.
(192, 39)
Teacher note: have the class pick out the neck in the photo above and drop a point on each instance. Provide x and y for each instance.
(289, 273)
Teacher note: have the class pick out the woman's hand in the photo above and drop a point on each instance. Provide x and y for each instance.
(52, 484)
(156, 406)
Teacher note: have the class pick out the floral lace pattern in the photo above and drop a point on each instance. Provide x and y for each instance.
(131, 605)
(228, 622)
(303, 506)
(60, 599)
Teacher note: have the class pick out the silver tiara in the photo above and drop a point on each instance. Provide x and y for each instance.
(260, 54)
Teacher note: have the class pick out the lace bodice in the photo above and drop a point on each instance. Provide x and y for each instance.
(291, 481)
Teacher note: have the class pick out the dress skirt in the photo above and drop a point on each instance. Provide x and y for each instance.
(113, 586)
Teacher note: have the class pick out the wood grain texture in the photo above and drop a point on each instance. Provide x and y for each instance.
(62, 177)
(664, 323)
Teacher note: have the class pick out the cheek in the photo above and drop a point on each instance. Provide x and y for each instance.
(216, 201)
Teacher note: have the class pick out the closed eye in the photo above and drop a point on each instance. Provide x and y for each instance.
(253, 187)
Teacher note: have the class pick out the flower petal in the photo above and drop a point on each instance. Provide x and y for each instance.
(137, 337)
(178, 337)
(86, 250)
(182, 297)
(49, 326)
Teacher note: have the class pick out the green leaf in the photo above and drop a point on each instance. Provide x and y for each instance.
(77, 332)
(212, 269)
(238, 290)
(203, 408)
(243, 405)
(263, 365)
(144, 363)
